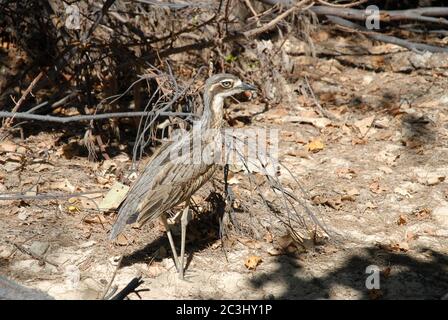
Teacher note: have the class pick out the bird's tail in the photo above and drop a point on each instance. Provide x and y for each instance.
(116, 229)
(123, 219)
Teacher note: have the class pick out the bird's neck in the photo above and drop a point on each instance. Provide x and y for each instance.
(212, 116)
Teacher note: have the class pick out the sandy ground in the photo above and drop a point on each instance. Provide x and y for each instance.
(378, 181)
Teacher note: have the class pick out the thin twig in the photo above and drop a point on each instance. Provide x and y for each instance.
(23, 97)
(113, 277)
(320, 109)
(271, 24)
(32, 254)
(254, 13)
(48, 118)
(100, 16)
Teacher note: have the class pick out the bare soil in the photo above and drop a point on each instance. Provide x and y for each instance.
(379, 182)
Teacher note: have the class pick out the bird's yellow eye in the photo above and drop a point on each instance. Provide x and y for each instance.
(226, 83)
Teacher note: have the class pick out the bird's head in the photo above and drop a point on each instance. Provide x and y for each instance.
(225, 85)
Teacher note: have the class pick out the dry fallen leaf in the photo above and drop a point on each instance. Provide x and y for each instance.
(268, 237)
(423, 213)
(396, 247)
(98, 218)
(234, 180)
(155, 269)
(250, 243)
(122, 240)
(334, 202)
(353, 192)
(411, 236)
(370, 205)
(216, 245)
(315, 145)
(72, 200)
(376, 187)
(402, 191)
(346, 173)
(42, 167)
(23, 214)
(252, 262)
(73, 209)
(358, 141)
(285, 241)
(7, 146)
(294, 152)
(402, 220)
(317, 122)
(114, 197)
(292, 136)
(347, 197)
(386, 272)
(273, 251)
(63, 186)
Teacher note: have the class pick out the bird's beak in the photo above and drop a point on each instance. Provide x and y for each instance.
(247, 87)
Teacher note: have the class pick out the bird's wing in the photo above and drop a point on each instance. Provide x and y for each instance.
(163, 184)
(174, 187)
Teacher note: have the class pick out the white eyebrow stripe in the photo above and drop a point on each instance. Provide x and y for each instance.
(213, 86)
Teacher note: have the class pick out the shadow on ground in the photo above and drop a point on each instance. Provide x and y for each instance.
(401, 277)
(201, 233)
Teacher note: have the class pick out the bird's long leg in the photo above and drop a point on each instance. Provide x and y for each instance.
(170, 238)
(184, 223)
(174, 219)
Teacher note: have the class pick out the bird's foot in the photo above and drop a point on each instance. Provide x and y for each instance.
(174, 219)
(187, 276)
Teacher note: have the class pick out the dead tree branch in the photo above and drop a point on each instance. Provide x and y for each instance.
(429, 14)
(340, 5)
(302, 5)
(211, 43)
(48, 118)
(100, 16)
(130, 287)
(32, 254)
(425, 14)
(418, 47)
(45, 196)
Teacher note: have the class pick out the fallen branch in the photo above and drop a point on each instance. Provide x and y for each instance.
(428, 14)
(344, 11)
(22, 196)
(48, 118)
(134, 284)
(32, 254)
(175, 6)
(414, 46)
(340, 5)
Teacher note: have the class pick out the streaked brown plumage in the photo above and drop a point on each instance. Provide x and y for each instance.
(165, 183)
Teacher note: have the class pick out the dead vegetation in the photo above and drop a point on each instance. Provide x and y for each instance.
(362, 118)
